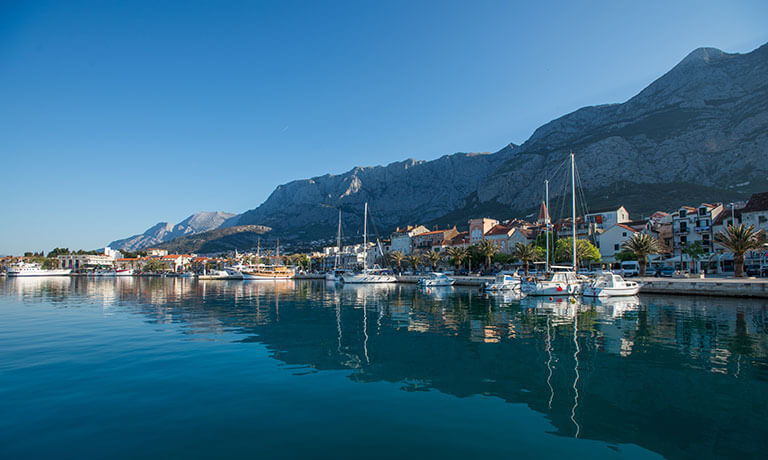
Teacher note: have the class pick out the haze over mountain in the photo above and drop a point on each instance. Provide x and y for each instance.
(698, 133)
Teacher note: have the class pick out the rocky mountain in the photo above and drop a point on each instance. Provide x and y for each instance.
(164, 231)
(698, 133)
(216, 240)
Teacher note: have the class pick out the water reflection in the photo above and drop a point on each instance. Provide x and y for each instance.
(677, 375)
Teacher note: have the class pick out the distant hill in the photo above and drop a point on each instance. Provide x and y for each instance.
(163, 231)
(218, 240)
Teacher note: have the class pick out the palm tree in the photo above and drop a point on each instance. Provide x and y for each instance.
(458, 255)
(433, 257)
(398, 258)
(740, 240)
(642, 245)
(414, 260)
(488, 250)
(527, 253)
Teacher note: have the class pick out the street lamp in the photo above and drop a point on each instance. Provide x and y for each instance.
(733, 214)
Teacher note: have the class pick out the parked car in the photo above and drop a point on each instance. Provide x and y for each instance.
(666, 272)
(752, 270)
(651, 271)
(630, 268)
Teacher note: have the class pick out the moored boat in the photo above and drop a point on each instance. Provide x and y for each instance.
(267, 272)
(504, 282)
(370, 275)
(564, 281)
(609, 284)
(34, 269)
(436, 279)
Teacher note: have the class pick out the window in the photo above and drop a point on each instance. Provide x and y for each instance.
(683, 226)
(702, 211)
(615, 247)
(622, 234)
(683, 213)
(683, 240)
(762, 219)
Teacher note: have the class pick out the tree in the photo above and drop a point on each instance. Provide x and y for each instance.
(154, 265)
(585, 251)
(642, 245)
(740, 240)
(397, 257)
(625, 255)
(414, 260)
(695, 251)
(487, 249)
(433, 257)
(527, 253)
(458, 255)
(58, 252)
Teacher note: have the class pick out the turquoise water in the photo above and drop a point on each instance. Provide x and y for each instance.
(171, 368)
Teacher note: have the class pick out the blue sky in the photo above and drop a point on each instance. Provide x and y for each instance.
(117, 115)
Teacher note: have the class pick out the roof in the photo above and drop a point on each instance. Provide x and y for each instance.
(126, 259)
(498, 229)
(435, 232)
(757, 202)
(625, 226)
(543, 213)
(604, 210)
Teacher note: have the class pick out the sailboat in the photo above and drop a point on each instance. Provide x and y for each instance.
(338, 271)
(368, 275)
(563, 280)
(269, 272)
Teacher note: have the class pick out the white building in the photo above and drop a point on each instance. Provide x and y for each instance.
(691, 225)
(78, 261)
(402, 238)
(611, 241)
(756, 211)
(606, 218)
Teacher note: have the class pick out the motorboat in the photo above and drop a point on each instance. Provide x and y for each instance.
(436, 279)
(610, 284)
(504, 282)
(34, 269)
(187, 275)
(214, 275)
(562, 281)
(370, 275)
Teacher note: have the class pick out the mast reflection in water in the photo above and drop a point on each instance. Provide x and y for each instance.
(172, 367)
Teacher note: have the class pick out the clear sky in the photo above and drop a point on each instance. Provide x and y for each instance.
(117, 115)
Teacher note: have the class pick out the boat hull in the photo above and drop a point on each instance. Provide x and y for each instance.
(610, 292)
(31, 273)
(553, 289)
(367, 279)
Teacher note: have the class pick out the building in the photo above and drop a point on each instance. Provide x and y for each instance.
(434, 240)
(611, 240)
(606, 218)
(659, 226)
(756, 211)
(691, 225)
(81, 261)
(157, 252)
(479, 227)
(499, 235)
(402, 238)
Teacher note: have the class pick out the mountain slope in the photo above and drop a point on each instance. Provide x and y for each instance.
(216, 240)
(704, 123)
(164, 231)
(400, 192)
(700, 130)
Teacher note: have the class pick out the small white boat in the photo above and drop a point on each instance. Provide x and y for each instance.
(187, 275)
(34, 269)
(436, 279)
(234, 273)
(371, 275)
(562, 282)
(337, 274)
(609, 284)
(123, 272)
(504, 282)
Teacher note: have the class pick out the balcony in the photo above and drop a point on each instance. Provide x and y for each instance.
(702, 229)
(681, 231)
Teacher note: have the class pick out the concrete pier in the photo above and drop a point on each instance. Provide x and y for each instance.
(728, 287)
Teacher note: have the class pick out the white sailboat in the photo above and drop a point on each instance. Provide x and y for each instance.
(368, 275)
(338, 271)
(436, 279)
(504, 282)
(564, 280)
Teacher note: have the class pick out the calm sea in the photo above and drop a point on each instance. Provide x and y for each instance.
(173, 368)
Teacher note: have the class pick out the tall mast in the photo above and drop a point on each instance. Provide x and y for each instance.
(573, 208)
(365, 237)
(277, 255)
(546, 221)
(338, 244)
